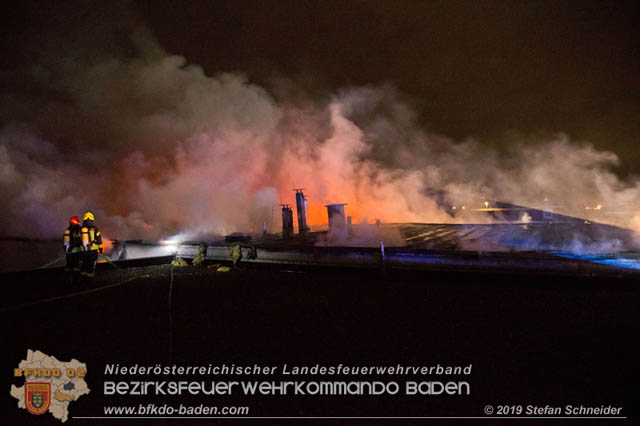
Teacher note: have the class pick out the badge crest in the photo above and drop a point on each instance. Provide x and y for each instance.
(37, 397)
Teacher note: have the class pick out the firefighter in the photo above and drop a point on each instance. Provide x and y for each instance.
(92, 242)
(73, 244)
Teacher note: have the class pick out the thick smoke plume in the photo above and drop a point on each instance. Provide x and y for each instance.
(155, 147)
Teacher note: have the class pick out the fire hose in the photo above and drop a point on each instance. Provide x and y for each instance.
(106, 258)
(52, 262)
(83, 292)
(101, 255)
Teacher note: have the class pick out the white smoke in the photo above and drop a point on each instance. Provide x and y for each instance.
(155, 147)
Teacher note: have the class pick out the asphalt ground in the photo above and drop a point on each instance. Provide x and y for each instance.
(544, 339)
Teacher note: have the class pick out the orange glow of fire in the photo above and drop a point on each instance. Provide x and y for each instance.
(317, 214)
(106, 243)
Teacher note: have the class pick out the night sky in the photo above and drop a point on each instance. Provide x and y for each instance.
(482, 69)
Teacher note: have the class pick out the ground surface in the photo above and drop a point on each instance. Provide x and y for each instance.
(532, 340)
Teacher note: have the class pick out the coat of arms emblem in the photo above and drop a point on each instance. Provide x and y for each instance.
(37, 397)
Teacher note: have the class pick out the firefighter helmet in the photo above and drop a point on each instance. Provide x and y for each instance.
(88, 216)
(74, 220)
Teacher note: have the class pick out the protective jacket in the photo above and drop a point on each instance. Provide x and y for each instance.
(73, 239)
(91, 238)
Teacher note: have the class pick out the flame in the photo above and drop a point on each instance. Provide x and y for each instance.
(106, 243)
(317, 212)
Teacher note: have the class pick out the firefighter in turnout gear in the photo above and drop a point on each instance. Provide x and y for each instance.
(73, 244)
(92, 243)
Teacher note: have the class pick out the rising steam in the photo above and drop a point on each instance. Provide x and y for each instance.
(155, 147)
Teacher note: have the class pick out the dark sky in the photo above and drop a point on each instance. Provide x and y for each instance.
(481, 69)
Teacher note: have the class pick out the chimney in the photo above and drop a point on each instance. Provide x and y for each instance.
(301, 205)
(287, 222)
(337, 221)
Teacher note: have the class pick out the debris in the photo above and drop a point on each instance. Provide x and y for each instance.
(202, 254)
(236, 255)
(179, 262)
(223, 269)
